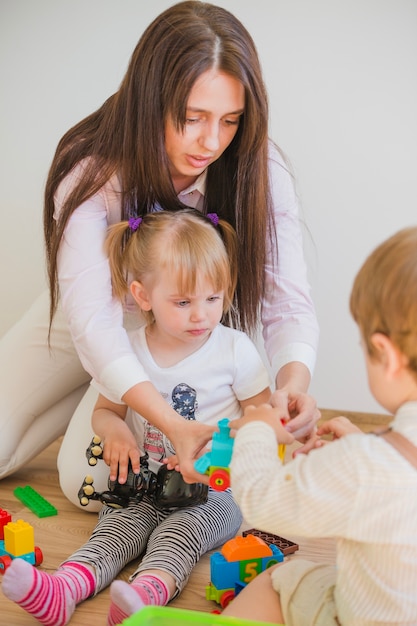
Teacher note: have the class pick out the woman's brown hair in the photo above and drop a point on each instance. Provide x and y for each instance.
(126, 136)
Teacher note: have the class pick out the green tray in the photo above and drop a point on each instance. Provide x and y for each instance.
(166, 616)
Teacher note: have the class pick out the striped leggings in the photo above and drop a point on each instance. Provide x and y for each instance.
(171, 541)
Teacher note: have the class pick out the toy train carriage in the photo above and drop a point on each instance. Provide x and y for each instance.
(17, 541)
(240, 560)
(215, 463)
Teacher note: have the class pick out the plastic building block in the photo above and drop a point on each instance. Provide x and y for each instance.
(5, 518)
(249, 547)
(240, 560)
(285, 545)
(18, 543)
(34, 501)
(216, 462)
(167, 616)
(19, 537)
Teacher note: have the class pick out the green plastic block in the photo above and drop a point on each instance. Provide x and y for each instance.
(167, 616)
(34, 501)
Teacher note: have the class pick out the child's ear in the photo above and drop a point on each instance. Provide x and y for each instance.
(392, 359)
(140, 295)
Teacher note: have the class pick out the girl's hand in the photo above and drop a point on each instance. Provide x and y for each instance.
(119, 446)
(172, 462)
(264, 413)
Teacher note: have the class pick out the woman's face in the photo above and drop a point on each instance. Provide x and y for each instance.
(214, 109)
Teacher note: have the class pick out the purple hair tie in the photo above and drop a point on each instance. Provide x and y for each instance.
(214, 218)
(134, 223)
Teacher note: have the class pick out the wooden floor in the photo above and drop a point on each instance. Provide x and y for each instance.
(60, 535)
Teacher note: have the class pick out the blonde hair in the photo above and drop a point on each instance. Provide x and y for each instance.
(384, 295)
(184, 242)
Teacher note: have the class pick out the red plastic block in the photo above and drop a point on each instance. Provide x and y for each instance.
(5, 518)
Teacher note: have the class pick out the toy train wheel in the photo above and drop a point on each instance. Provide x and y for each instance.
(226, 598)
(5, 562)
(219, 480)
(38, 555)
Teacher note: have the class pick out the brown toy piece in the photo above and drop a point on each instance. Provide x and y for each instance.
(285, 545)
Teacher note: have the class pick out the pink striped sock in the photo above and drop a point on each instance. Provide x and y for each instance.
(50, 598)
(128, 599)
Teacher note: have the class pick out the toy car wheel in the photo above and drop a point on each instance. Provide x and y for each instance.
(38, 555)
(5, 562)
(219, 480)
(226, 598)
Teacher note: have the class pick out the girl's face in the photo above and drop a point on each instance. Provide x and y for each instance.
(180, 318)
(214, 108)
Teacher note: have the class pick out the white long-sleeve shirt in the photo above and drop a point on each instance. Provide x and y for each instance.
(95, 317)
(358, 489)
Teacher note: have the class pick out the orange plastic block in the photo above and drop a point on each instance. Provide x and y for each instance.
(242, 548)
(19, 538)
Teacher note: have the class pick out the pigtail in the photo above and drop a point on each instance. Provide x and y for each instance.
(117, 246)
(229, 237)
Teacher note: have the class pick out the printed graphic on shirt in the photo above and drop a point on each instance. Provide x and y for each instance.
(184, 402)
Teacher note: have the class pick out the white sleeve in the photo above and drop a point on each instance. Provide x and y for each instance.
(94, 316)
(290, 327)
(303, 497)
(251, 376)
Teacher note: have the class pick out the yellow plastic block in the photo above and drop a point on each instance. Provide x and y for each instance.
(19, 538)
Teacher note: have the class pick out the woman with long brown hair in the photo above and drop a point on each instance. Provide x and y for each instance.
(187, 127)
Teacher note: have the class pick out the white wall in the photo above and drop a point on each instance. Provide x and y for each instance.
(343, 95)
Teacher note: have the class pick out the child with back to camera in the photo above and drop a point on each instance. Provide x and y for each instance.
(359, 488)
(182, 274)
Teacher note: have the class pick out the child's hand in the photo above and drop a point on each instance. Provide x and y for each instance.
(337, 427)
(172, 462)
(119, 446)
(264, 413)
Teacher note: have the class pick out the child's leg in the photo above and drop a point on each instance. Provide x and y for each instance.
(154, 587)
(50, 598)
(119, 537)
(175, 547)
(247, 605)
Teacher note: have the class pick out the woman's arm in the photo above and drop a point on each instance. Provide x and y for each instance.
(95, 320)
(290, 327)
(189, 437)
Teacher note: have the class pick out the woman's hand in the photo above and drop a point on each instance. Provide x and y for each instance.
(297, 408)
(190, 439)
(299, 411)
(264, 413)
